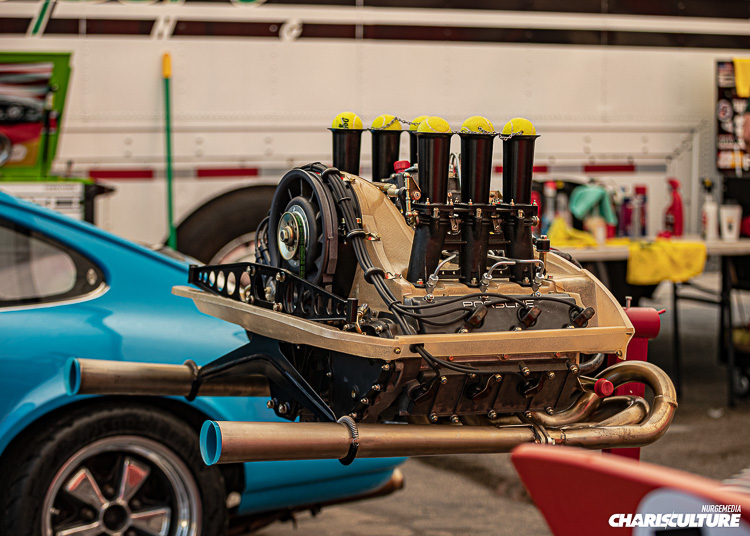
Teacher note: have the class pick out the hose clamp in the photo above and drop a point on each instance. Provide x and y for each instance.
(196, 383)
(354, 444)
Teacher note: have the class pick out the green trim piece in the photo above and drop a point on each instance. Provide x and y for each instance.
(48, 178)
(60, 79)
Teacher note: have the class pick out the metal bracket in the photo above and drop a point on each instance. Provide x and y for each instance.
(541, 435)
(276, 368)
(273, 288)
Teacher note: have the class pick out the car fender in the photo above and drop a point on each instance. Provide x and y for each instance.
(50, 396)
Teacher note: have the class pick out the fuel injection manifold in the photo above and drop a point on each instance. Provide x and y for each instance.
(411, 314)
(466, 221)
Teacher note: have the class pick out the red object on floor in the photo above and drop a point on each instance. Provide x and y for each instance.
(579, 491)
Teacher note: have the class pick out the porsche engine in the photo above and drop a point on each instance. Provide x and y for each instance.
(415, 313)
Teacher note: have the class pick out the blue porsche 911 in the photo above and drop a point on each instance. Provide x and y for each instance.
(126, 466)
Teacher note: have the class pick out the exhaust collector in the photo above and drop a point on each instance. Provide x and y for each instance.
(230, 442)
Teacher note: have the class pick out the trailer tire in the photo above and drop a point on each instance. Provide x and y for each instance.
(213, 232)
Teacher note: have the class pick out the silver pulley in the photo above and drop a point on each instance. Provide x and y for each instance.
(288, 236)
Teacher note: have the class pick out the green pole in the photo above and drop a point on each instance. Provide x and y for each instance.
(167, 73)
(40, 18)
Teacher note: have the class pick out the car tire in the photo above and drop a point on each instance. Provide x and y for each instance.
(134, 470)
(213, 233)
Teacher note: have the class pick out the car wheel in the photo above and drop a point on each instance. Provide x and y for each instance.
(223, 230)
(113, 471)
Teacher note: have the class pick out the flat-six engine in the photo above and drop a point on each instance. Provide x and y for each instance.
(419, 297)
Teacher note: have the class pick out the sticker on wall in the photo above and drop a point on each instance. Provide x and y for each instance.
(725, 74)
(724, 110)
(725, 142)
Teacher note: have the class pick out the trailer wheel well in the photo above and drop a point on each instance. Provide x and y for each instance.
(211, 227)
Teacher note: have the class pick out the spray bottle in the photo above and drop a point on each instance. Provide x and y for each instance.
(536, 199)
(709, 213)
(674, 215)
(640, 210)
(561, 208)
(548, 206)
(625, 213)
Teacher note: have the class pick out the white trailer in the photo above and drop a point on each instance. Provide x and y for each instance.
(615, 93)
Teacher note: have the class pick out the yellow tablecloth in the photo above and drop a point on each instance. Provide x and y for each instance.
(561, 235)
(650, 263)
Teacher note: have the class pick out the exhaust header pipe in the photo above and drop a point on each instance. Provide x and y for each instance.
(230, 442)
(99, 377)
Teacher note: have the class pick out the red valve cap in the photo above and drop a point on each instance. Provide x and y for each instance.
(603, 388)
(401, 165)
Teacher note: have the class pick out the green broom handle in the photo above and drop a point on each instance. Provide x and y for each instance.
(167, 74)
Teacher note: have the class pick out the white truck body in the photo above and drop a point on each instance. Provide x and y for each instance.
(248, 107)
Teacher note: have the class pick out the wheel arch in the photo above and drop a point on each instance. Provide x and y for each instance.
(210, 204)
(198, 201)
(222, 208)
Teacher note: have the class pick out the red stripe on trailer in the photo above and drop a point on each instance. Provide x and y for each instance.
(609, 168)
(126, 174)
(213, 173)
(536, 169)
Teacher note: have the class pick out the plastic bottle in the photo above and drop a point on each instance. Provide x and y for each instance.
(674, 215)
(625, 215)
(536, 199)
(640, 209)
(709, 213)
(548, 216)
(561, 208)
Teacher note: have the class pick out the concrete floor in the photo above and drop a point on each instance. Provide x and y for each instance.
(482, 494)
